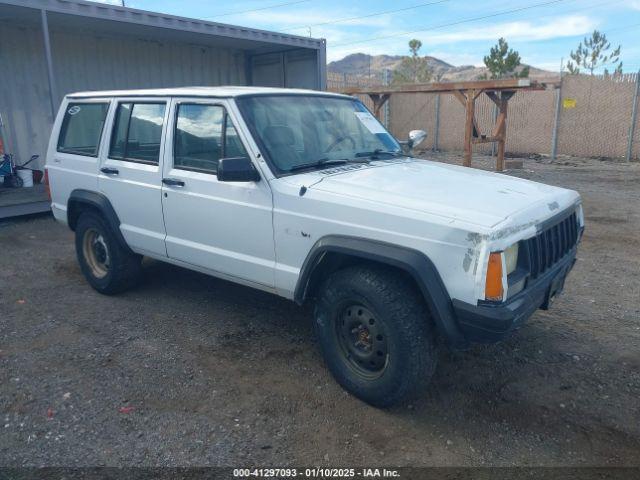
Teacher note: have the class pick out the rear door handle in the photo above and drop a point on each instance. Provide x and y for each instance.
(109, 171)
(173, 182)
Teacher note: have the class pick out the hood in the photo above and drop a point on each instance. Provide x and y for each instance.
(451, 191)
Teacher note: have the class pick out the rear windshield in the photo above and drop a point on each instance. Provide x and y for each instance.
(82, 128)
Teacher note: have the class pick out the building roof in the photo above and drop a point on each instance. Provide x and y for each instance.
(221, 92)
(88, 13)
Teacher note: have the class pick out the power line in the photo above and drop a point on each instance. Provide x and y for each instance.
(376, 14)
(574, 10)
(626, 27)
(238, 12)
(444, 25)
(590, 7)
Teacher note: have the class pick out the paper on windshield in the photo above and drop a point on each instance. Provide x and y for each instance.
(370, 122)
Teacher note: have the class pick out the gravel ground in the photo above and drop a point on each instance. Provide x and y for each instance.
(191, 370)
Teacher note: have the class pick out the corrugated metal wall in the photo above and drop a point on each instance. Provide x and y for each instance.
(293, 69)
(24, 92)
(83, 61)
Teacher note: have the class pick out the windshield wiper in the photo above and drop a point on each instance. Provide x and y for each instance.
(324, 162)
(377, 152)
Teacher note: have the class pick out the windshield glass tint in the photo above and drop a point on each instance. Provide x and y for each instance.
(295, 130)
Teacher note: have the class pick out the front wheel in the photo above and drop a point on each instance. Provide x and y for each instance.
(376, 334)
(106, 264)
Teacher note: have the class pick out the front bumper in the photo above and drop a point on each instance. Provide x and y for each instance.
(488, 323)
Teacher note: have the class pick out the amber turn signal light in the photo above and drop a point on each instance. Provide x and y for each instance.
(493, 289)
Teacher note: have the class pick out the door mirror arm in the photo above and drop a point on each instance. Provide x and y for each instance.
(416, 137)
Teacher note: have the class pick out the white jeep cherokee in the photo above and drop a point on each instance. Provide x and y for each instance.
(305, 194)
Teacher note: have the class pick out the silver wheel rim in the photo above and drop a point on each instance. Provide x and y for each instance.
(96, 253)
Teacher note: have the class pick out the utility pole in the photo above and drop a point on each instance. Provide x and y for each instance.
(436, 129)
(385, 81)
(556, 117)
(634, 117)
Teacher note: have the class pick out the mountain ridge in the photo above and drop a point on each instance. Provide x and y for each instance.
(364, 65)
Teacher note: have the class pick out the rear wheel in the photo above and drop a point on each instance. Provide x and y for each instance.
(376, 334)
(106, 264)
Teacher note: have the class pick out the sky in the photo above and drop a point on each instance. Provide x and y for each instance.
(459, 32)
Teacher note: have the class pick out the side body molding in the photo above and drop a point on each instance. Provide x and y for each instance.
(417, 264)
(97, 201)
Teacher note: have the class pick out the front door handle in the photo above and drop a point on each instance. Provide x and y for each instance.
(109, 171)
(173, 182)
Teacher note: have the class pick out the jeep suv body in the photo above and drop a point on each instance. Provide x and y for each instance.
(305, 194)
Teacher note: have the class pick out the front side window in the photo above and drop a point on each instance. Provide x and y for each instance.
(298, 130)
(204, 134)
(137, 132)
(82, 128)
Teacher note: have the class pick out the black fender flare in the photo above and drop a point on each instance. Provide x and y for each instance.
(412, 261)
(96, 201)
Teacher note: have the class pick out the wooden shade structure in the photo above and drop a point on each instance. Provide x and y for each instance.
(499, 91)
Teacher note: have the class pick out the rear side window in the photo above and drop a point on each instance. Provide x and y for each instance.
(137, 132)
(204, 134)
(82, 128)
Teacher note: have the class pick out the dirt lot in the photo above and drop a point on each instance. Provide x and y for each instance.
(191, 370)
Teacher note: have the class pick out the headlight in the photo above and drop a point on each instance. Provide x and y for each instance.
(511, 258)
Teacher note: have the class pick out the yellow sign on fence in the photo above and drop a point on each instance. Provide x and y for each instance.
(569, 103)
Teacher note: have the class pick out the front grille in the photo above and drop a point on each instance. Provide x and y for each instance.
(550, 245)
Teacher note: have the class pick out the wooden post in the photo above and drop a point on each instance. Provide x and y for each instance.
(499, 91)
(500, 128)
(502, 122)
(378, 102)
(502, 133)
(468, 126)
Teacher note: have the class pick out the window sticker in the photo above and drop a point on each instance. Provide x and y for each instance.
(370, 122)
(73, 110)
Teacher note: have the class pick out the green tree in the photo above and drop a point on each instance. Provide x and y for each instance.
(413, 69)
(592, 53)
(503, 62)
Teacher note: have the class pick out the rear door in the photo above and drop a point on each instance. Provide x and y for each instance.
(72, 158)
(131, 173)
(224, 227)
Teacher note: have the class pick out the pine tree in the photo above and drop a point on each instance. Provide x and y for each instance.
(502, 62)
(592, 54)
(413, 69)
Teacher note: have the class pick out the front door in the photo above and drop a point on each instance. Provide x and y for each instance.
(131, 173)
(224, 227)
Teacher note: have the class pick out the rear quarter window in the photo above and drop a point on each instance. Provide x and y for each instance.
(82, 127)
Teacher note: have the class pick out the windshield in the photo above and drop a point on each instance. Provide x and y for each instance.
(300, 131)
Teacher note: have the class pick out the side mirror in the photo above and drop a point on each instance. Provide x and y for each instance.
(416, 137)
(237, 169)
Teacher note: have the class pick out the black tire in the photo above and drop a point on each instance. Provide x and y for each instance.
(96, 241)
(394, 360)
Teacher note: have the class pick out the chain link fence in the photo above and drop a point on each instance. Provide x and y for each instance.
(589, 116)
